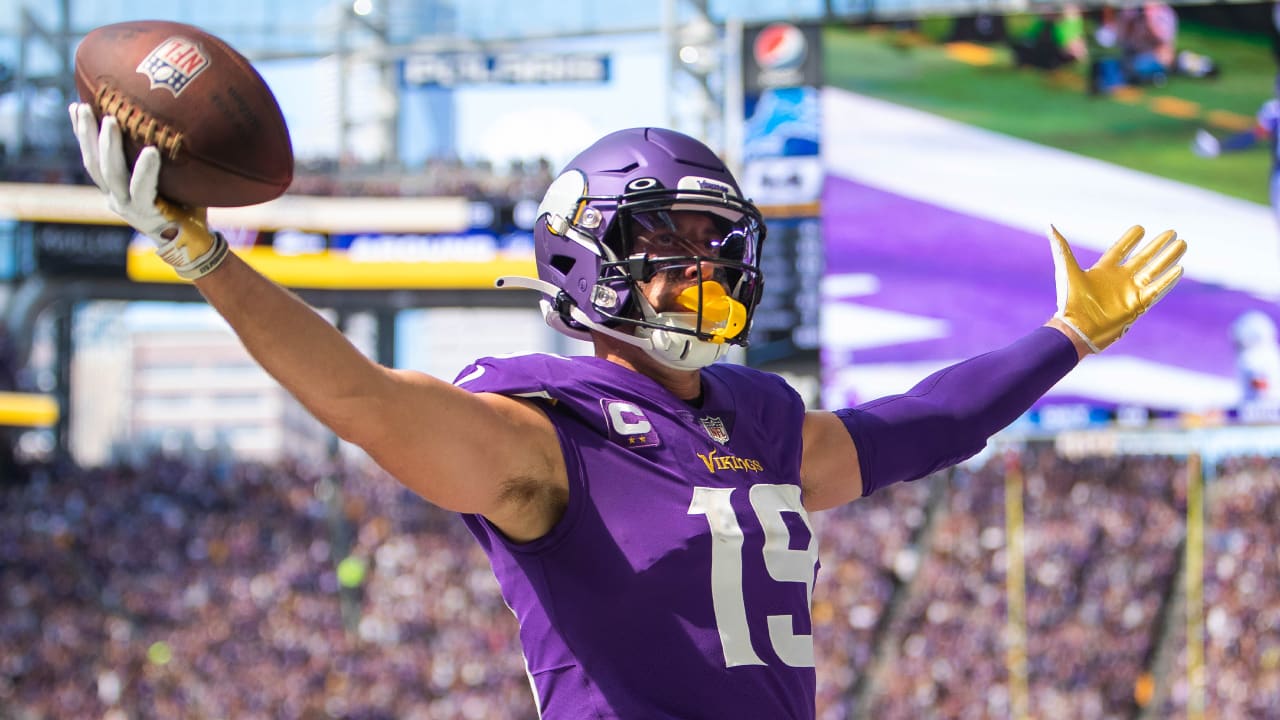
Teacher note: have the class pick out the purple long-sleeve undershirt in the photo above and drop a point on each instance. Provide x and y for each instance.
(949, 415)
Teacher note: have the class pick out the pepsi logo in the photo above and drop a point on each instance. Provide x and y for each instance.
(780, 46)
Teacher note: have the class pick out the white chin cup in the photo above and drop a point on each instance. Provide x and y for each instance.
(676, 349)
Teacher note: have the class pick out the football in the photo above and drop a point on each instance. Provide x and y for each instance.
(216, 122)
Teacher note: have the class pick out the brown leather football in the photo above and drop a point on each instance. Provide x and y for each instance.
(219, 129)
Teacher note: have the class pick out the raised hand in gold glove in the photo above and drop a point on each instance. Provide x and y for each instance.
(1101, 303)
(181, 235)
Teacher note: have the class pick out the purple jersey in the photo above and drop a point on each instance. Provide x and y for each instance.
(678, 582)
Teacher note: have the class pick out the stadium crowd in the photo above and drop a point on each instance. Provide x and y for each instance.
(436, 177)
(182, 590)
(209, 590)
(866, 555)
(1100, 552)
(1241, 612)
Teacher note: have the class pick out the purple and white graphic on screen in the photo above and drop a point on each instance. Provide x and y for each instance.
(911, 287)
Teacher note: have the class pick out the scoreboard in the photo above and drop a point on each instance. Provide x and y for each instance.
(786, 324)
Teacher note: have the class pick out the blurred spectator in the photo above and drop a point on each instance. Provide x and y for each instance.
(1143, 39)
(982, 27)
(1055, 39)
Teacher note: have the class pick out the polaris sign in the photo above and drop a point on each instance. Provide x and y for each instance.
(451, 69)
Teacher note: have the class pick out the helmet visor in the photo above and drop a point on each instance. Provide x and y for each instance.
(692, 233)
(672, 253)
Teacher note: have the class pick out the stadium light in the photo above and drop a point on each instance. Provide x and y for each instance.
(699, 43)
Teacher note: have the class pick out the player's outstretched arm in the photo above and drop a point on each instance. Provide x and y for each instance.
(437, 439)
(949, 416)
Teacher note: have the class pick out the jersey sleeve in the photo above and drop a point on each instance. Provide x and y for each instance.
(530, 376)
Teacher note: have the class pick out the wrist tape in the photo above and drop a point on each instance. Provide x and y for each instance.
(172, 253)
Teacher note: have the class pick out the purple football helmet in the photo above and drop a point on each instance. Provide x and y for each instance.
(633, 181)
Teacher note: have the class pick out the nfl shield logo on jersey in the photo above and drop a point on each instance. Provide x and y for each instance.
(716, 429)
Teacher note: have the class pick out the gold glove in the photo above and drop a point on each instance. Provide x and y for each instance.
(1101, 303)
(189, 246)
(181, 235)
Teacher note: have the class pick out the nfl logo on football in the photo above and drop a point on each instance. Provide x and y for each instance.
(715, 428)
(174, 64)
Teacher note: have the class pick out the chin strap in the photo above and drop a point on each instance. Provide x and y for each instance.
(675, 350)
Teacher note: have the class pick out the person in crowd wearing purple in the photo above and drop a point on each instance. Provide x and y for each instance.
(645, 509)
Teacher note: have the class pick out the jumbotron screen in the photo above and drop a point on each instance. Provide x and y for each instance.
(946, 163)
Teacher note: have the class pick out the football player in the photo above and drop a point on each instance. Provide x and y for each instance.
(646, 509)
(1266, 129)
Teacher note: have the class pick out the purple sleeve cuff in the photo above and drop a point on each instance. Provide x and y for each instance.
(949, 416)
